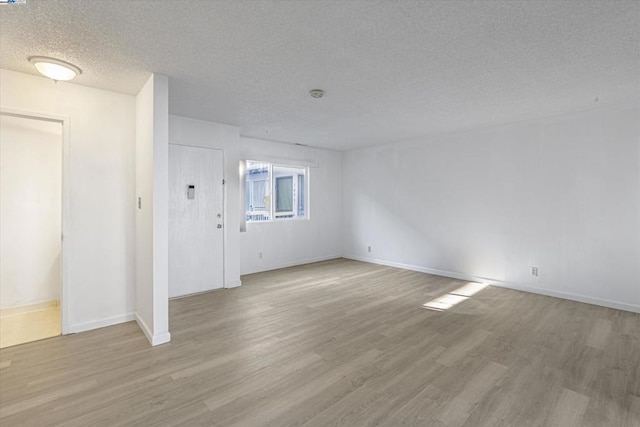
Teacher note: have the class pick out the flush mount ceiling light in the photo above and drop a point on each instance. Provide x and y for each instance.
(316, 93)
(55, 69)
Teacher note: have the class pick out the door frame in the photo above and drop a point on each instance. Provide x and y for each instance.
(224, 207)
(65, 294)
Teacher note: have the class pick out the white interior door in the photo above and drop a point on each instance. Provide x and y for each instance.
(195, 220)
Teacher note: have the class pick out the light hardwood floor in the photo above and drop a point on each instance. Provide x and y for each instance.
(339, 343)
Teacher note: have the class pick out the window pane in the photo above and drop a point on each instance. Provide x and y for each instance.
(301, 191)
(257, 189)
(289, 191)
(284, 194)
(259, 194)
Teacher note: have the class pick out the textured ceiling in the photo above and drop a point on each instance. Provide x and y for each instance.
(392, 70)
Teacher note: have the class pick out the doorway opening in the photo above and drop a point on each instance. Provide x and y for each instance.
(31, 228)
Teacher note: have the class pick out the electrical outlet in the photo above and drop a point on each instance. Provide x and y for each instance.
(534, 271)
(368, 248)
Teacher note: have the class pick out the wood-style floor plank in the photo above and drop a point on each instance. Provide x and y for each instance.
(339, 343)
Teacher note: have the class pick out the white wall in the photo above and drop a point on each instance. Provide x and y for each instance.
(561, 193)
(30, 211)
(285, 243)
(100, 222)
(152, 221)
(200, 133)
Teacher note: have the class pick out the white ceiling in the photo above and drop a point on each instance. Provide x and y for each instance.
(392, 70)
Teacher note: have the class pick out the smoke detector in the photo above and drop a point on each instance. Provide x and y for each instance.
(316, 93)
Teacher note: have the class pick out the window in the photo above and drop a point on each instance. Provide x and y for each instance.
(284, 194)
(301, 195)
(287, 184)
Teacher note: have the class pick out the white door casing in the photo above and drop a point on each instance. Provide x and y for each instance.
(30, 211)
(64, 291)
(196, 234)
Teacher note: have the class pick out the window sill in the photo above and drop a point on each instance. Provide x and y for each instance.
(281, 220)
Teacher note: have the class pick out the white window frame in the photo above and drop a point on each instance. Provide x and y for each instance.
(271, 186)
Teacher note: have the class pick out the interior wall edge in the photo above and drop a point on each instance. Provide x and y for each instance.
(634, 308)
(156, 339)
(162, 338)
(233, 284)
(294, 263)
(101, 323)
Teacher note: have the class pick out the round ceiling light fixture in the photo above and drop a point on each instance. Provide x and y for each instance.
(316, 93)
(55, 69)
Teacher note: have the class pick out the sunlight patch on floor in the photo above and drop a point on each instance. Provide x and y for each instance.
(455, 297)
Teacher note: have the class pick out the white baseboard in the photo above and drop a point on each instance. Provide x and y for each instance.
(234, 284)
(109, 321)
(21, 309)
(145, 329)
(194, 294)
(161, 339)
(541, 291)
(428, 270)
(573, 297)
(292, 264)
(153, 339)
